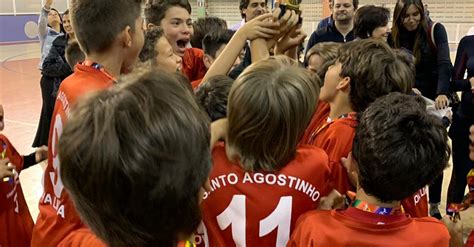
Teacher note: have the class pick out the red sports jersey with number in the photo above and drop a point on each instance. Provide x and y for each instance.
(417, 204)
(336, 139)
(57, 216)
(319, 118)
(193, 65)
(261, 208)
(16, 224)
(354, 227)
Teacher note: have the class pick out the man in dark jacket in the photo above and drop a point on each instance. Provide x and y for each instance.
(341, 29)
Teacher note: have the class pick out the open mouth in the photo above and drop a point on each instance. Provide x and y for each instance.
(182, 43)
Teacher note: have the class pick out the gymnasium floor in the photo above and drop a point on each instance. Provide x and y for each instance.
(21, 98)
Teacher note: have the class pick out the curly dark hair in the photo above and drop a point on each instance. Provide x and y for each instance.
(399, 147)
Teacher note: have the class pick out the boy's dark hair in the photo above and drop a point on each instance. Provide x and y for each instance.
(375, 70)
(245, 4)
(148, 51)
(155, 10)
(399, 147)
(212, 95)
(134, 159)
(97, 23)
(206, 26)
(368, 18)
(270, 106)
(212, 42)
(74, 54)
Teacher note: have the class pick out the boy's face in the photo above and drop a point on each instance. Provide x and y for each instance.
(177, 27)
(314, 63)
(332, 79)
(210, 60)
(254, 9)
(2, 123)
(166, 59)
(136, 45)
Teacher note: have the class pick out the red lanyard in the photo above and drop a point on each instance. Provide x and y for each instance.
(98, 67)
(328, 122)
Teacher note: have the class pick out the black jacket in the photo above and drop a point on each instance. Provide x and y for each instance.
(55, 67)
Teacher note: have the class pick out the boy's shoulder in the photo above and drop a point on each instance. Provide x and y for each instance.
(326, 227)
(81, 237)
(84, 79)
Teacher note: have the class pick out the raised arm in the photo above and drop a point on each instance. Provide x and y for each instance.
(256, 28)
(43, 19)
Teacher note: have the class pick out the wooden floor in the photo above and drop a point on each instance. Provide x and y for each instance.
(21, 98)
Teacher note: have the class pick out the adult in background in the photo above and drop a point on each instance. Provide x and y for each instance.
(341, 30)
(428, 43)
(55, 69)
(250, 9)
(372, 22)
(463, 118)
(49, 28)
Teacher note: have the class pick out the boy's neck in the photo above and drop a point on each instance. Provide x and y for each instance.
(339, 107)
(361, 195)
(111, 62)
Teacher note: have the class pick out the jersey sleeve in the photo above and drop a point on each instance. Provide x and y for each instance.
(11, 153)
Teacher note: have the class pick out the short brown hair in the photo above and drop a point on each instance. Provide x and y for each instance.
(155, 10)
(97, 23)
(375, 70)
(270, 106)
(207, 26)
(328, 51)
(213, 95)
(74, 54)
(399, 147)
(134, 159)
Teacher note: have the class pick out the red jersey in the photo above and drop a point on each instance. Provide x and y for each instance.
(193, 65)
(81, 238)
(336, 138)
(355, 227)
(16, 224)
(417, 204)
(261, 208)
(195, 84)
(57, 216)
(319, 118)
(85, 238)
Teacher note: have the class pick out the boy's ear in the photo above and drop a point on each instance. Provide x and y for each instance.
(150, 26)
(344, 84)
(127, 35)
(208, 60)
